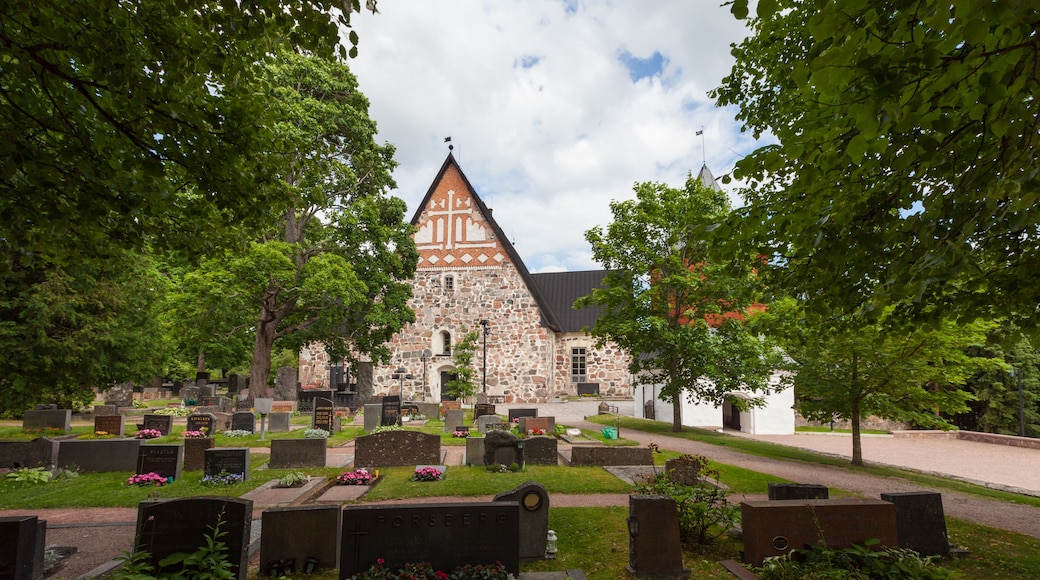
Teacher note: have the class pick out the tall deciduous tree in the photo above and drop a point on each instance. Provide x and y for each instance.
(848, 369)
(905, 170)
(334, 266)
(679, 310)
(1005, 401)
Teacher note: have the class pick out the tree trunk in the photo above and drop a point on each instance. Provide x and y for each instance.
(676, 397)
(857, 443)
(201, 364)
(260, 369)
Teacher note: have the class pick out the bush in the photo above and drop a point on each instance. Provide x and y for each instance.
(316, 434)
(30, 475)
(704, 512)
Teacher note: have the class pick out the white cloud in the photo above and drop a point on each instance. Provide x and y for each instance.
(546, 121)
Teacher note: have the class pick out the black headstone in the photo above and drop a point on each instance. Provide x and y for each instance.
(41, 419)
(654, 547)
(503, 448)
(517, 413)
(110, 425)
(481, 409)
(230, 459)
(534, 518)
(782, 491)
(163, 423)
(292, 453)
(296, 534)
(22, 543)
(445, 535)
(324, 414)
(166, 460)
(202, 421)
(180, 525)
(391, 411)
(244, 421)
(541, 451)
(920, 522)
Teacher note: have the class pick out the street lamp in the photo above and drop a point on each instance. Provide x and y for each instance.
(487, 331)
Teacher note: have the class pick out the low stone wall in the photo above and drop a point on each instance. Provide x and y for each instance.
(991, 438)
(583, 455)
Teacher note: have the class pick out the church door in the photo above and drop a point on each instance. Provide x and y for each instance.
(446, 376)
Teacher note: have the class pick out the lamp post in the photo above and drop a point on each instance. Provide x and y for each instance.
(487, 331)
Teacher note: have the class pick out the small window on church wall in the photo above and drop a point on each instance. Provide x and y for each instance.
(449, 283)
(578, 365)
(445, 343)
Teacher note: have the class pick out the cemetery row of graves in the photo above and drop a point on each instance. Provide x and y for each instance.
(331, 533)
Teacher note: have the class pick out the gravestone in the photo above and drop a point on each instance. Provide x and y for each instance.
(279, 422)
(283, 406)
(105, 410)
(534, 518)
(449, 406)
(481, 409)
(390, 411)
(452, 420)
(195, 452)
(165, 527)
(588, 389)
(292, 453)
(529, 424)
(205, 422)
(396, 448)
(541, 451)
(230, 459)
(210, 401)
(14, 454)
(121, 395)
(603, 456)
(23, 540)
(781, 491)
(99, 455)
(165, 460)
(294, 535)
(773, 528)
(244, 403)
(190, 395)
(519, 412)
(285, 384)
(445, 535)
(176, 387)
(244, 421)
(324, 414)
(235, 384)
(474, 451)
(920, 522)
(162, 423)
(110, 425)
(483, 421)
(503, 448)
(685, 472)
(654, 547)
(373, 416)
(648, 410)
(41, 419)
(43, 452)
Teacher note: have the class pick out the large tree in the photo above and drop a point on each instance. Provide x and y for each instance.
(677, 308)
(905, 164)
(334, 265)
(849, 369)
(1005, 402)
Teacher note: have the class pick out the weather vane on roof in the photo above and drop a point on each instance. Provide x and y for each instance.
(704, 158)
(448, 141)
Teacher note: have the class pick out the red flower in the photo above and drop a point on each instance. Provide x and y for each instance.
(380, 561)
(441, 575)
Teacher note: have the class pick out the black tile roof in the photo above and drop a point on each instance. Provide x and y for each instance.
(561, 289)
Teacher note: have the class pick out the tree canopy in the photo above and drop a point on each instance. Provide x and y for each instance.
(905, 169)
(676, 307)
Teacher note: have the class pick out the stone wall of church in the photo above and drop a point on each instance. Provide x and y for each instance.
(607, 366)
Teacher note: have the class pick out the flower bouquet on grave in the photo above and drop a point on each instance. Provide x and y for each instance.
(148, 434)
(427, 474)
(150, 479)
(222, 478)
(462, 434)
(200, 434)
(356, 477)
(536, 432)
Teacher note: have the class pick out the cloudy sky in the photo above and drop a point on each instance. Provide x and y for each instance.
(555, 107)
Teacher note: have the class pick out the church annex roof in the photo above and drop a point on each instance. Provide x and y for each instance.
(562, 289)
(548, 313)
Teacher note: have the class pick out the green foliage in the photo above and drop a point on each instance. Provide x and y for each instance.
(673, 302)
(293, 479)
(424, 571)
(704, 512)
(461, 385)
(995, 408)
(854, 563)
(30, 475)
(209, 562)
(905, 168)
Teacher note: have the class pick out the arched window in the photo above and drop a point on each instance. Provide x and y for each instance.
(445, 343)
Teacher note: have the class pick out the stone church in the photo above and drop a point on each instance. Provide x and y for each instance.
(469, 277)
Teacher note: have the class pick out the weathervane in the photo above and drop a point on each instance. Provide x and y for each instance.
(448, 141)
(704, 158)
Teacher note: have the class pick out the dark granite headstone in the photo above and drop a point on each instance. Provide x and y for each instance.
(373, 416)
(41, 419)
(209, 401)
(190, 394)
(14, 454)
(121, 395)
(485, 420)
(244, 404)
(324, 414)
(99, 455)
(452, 420)
(43, 452)
(296, 534)
(654, 547)
(195, 452)
(474, 451)
(110, 425)
(503, 448)
(230, 459)
(534, 518)
(206, 422)
(607, 456)
(279, 422)
(235, 384)
(22, 543)
(291, 453)
(781, 491)
(920, 522)
(396, 448)
(541, 451)
(390, 412)
(165, 460)
(180, 525)
(445, 535)
(518, 412)
(245, 421)
(164, 423)
(285, 384)
(773, 528)
(481, 409)
(588, 389)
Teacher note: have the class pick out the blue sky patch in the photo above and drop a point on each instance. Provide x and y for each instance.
(570, 6)
(639, 68)
(527, 61)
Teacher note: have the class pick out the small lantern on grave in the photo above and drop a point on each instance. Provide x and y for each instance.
(550, 545)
